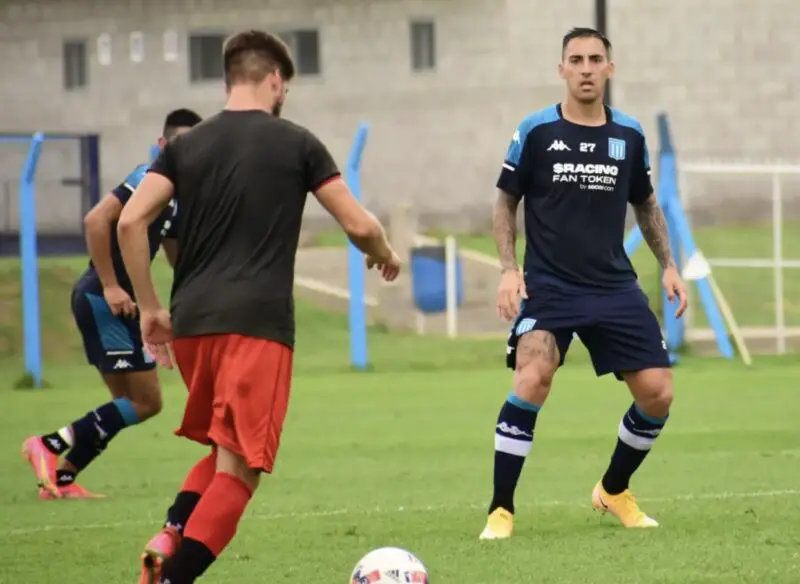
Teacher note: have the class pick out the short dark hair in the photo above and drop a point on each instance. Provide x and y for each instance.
(180, 118)
(584, 32)
(249, 56)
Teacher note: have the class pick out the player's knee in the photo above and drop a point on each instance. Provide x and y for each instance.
(537, 358)
(653, 391)
(532, 381)
(235, 464)
(144, 391)
(662, 400)
(154, 404)
(148, 403)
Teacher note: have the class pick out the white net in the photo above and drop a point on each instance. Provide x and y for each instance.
(745, 218)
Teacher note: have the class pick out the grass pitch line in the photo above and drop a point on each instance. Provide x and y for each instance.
(154, 521)
(433, 508)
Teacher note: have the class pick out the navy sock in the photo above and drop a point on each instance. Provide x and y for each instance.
(96, 429)
(637, 432)
(513, 440)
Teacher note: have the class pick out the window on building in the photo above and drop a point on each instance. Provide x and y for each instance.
(423, 45)
(205, 57)
(304, 45)
(76, 74)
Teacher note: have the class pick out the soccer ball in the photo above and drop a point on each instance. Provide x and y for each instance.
(389, 565)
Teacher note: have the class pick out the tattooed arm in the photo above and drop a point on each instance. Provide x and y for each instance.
(654, 229)
(504, 228)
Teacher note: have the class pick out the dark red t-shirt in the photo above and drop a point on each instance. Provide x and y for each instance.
(241, 181)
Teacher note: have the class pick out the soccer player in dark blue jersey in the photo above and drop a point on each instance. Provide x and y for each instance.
(106, 315)
(577, 165)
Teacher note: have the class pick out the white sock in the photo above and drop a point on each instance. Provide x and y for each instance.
(67, 436)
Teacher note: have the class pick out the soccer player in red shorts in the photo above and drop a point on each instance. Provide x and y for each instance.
(240, 179)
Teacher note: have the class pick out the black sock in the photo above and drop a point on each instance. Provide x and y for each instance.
(96, 429)
(180, 511)
(637, 432)
(513, 440)
(64, 477)
(189, 563)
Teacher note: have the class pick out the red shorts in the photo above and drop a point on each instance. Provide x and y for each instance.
(238, 393)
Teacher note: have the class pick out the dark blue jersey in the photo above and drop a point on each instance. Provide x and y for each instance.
(165, 225)
(576, 182)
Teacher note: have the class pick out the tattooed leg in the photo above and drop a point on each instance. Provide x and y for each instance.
(537, 360)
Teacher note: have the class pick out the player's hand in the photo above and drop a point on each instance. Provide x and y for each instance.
(511, 290)
(119, 301)
(675, 286)
(156, 328)
(389, 267)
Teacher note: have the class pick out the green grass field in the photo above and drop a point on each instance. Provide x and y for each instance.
(402, 456)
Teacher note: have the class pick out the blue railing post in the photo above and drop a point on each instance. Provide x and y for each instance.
(668, 191)
(356, 270)
(29, 260)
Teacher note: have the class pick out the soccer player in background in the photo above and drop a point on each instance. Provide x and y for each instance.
(106, 314)
(241, 180)
(577, 165)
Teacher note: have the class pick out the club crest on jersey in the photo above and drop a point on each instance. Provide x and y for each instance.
(616, 149)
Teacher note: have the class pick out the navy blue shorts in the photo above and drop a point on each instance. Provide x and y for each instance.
(618, 328)
(113, 344)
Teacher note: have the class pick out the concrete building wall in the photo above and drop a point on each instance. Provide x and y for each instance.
(725, 73)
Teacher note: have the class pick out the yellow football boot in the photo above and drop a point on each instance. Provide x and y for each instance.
(499, 525)
(623, 506)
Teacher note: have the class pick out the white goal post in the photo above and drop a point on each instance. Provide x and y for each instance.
(770, 188)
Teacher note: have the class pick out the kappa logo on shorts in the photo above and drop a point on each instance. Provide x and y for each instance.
(525, 326)
(122, 364)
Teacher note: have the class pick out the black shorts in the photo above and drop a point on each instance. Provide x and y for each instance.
(618, 328)
(113, 344)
